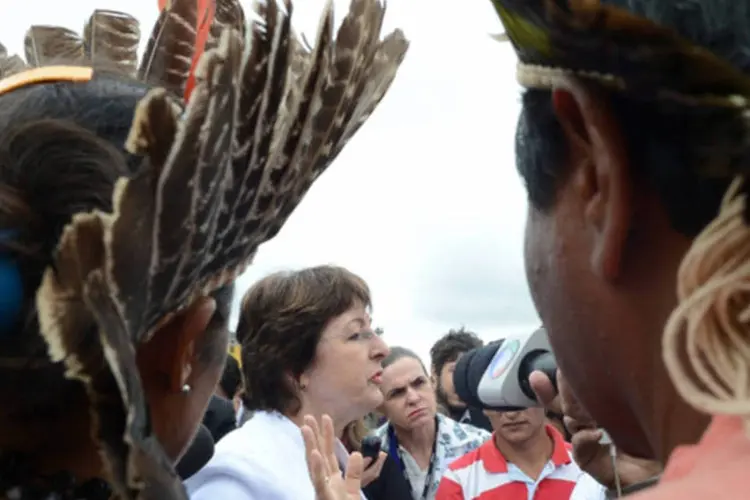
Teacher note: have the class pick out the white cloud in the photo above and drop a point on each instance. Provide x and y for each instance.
(425, 202)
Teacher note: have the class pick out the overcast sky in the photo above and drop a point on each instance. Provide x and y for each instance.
(424, 202)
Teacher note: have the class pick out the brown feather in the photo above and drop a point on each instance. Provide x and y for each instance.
(45, 45)
(170, 49)
(9, 64)
(228, 15)
(111, 39)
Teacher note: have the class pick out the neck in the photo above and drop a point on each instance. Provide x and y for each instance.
(306, 409)
(418, 442)
(531, 455)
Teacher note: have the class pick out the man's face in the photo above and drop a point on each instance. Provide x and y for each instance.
(445, 386)
(591, 343)
(517, 427)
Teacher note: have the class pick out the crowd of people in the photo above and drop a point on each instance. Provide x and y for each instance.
(133, 193)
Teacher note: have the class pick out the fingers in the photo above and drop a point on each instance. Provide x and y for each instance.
(315, 463)
(329, 444)
(353, 477)
(586, 447)
(545, 391)
(378, 466)
(366, 463)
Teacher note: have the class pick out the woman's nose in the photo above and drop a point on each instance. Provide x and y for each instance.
(379, 348)
(412, 396)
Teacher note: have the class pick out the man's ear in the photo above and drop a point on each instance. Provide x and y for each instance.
(169, 356)
(600, 171)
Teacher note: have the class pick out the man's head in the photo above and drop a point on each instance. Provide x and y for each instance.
(443, 357)
(618, 188)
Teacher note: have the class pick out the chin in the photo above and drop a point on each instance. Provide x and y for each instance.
(372, 398)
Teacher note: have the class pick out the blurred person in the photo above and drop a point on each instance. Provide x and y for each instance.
(443, 357)
(231, 380)
(221, 414)
(633, 129)
(526, 458)
(307, 349)
(421, 441)
(82, 393)
(109, 358)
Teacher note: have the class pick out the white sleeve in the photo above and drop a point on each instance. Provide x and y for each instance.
(587, 488)
(236, 479)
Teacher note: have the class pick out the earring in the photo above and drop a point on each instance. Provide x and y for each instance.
(186, 388)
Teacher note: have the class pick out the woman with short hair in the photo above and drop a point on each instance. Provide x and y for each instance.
(308, 348)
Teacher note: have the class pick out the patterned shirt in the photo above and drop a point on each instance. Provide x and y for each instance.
(453, 440)
(484, 474)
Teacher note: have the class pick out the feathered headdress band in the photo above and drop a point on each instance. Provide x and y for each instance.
(618, 49)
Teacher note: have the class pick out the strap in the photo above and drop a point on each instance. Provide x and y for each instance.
(46, 74)
(395, 452)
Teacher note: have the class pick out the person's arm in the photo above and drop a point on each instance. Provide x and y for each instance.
(449, 488)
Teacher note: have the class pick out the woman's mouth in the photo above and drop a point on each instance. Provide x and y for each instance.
(416, 413)
(377, 378)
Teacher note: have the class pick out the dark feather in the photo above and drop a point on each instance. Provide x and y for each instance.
(9, 64)
(45, 45)
(169, 52)
(111, 40)
(228, 14)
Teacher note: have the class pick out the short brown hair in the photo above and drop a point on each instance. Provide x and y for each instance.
(281, 321)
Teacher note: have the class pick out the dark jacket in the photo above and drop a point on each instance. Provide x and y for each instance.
(219, 418)
(390, 485)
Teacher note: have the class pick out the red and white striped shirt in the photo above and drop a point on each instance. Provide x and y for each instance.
(484, 474)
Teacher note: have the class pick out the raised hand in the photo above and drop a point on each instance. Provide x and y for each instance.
(323, 466)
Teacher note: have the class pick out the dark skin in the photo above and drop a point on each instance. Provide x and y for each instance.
(166, 363)
(601, 265)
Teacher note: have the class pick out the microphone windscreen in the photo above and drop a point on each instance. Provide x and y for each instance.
(198, 454)
(469, 370)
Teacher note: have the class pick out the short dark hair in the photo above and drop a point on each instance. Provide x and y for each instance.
(451, 346)
(667, 143)
(231, 379)
(281, 321)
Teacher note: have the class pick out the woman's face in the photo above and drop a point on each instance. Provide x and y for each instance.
(344, 378)
(409, 396)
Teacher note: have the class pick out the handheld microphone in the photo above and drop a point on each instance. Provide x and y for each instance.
(198, 454)
(496, 376)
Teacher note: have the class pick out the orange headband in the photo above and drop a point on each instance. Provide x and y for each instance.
(46, 74)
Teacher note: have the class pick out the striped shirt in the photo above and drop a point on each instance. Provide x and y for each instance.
(484, 474)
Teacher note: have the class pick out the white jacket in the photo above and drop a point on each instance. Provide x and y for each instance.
(262, 460)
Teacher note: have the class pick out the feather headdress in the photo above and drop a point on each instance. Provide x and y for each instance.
(221, 174)
(610, 45)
